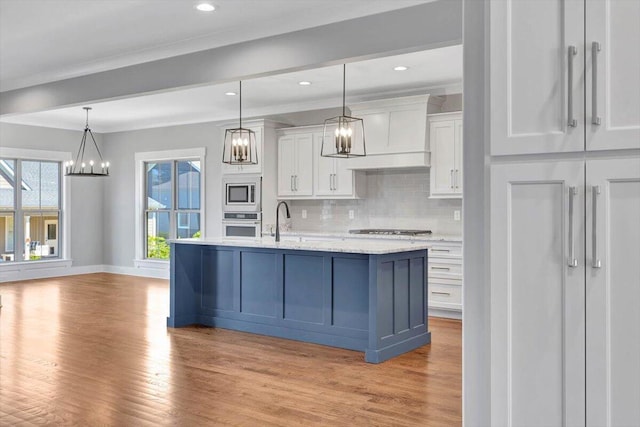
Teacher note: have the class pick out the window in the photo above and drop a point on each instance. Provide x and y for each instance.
(172, 204)
(29, 209)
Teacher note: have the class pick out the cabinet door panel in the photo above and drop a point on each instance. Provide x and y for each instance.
(458, 171)
(324, 169)
(442, 157)
(530, 40)
(613, 293)
(286, 165)
(304, 165)
(343, 178)
(537, 300)
(615, 26)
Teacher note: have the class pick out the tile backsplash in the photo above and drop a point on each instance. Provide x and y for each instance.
(394, 199)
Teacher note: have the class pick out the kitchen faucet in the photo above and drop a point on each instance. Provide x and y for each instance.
(278, 218)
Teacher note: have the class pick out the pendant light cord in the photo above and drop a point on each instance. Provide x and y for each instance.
(240, 104)
(344, 87)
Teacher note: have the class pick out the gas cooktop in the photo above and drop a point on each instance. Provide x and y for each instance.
(392, 232)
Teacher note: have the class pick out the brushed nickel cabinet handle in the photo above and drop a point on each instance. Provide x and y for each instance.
(291, 183)
(441, 293)
(595, 191)
(572, 261)
(451, 179)
(440, 250)
(595, 48)
(434, 267)
(572, 51)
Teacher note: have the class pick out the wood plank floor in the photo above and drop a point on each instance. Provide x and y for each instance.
(94, 350)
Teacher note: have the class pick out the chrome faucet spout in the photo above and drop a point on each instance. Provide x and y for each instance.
(278, 217)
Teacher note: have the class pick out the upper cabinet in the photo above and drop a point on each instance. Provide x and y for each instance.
(304, 173)
(295, 164)
(551, 87)
(612, 74)
(446, 155)
(395, 133)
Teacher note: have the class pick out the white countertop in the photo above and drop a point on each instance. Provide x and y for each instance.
(346, 235)
(348, 246)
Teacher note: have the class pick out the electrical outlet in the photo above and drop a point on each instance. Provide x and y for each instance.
(456, 215)
(304, 214)
(352, 214)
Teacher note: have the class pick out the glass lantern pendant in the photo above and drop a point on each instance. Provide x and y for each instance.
(84, 164)
(343, 135)
(240, 143)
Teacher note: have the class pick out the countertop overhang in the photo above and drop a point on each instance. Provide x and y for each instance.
(346, 246)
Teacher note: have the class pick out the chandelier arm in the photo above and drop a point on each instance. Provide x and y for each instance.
(96, 145)
(80, 150)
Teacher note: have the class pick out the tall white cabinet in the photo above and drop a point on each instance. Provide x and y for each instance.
(445, 136)
(565, 214)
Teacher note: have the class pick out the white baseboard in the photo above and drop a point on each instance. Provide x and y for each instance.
(156, 273)
(448, 314)
(30, 271)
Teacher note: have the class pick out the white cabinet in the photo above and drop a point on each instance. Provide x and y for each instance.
(333, 178)
(446, 155)
(560, 273)
(543, 98)
(395, 133)
(445, 279)
(613, 292)
(304, 174)
(612, 74)
(295, 164)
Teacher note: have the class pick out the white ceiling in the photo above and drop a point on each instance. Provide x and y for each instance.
(47, 40)
(266, 96)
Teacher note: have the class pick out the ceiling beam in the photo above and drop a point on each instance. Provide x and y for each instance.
(427, 26)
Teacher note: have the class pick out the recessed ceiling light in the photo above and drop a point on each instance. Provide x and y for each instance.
(230, 93)
(304, 83)
(205, 7)
(400, 68)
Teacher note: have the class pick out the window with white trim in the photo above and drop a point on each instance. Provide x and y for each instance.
(30, 209)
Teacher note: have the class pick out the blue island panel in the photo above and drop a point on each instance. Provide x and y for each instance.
(350, 292)
(303, 288)
(217, 279)
(258, 283)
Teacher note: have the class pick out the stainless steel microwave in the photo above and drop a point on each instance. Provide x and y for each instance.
(242, 194)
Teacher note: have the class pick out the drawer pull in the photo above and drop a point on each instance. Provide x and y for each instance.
(434, 267)
(441, 293)
(440, 250)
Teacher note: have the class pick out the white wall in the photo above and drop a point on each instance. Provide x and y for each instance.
(86, 194)
(119, 213)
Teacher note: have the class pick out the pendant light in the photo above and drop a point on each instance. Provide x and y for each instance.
(240, 143)
(343, 135)
(84, 164)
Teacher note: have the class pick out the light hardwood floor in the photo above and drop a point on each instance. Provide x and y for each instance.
(95, 350)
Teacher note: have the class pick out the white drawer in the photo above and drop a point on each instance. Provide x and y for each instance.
(445, 268)
(447, 296)
(445, 249)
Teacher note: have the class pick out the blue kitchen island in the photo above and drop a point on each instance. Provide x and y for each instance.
(363, 296)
